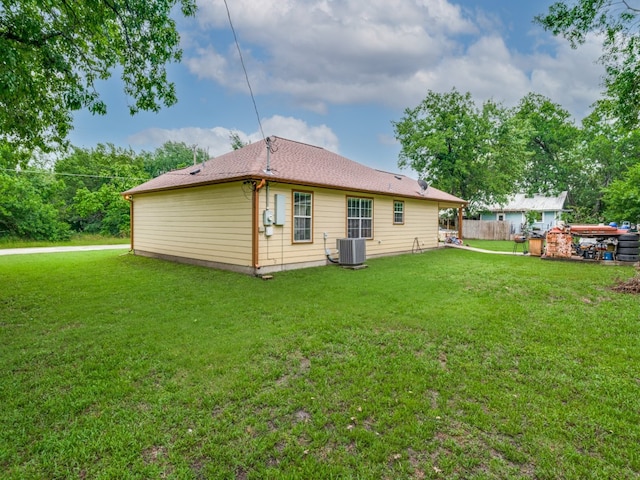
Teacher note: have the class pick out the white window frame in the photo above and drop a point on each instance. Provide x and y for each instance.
(359, 217)
(396, 212)
(302, 231)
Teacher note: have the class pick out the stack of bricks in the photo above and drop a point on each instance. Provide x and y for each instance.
(559, 243)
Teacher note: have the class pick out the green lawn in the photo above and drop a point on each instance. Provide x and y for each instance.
(445, 364)
(75, 240)
(495, 245)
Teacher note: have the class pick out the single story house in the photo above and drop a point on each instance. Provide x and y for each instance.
(547, 208)
(278, 205)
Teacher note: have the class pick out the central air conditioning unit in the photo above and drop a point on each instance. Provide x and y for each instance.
(351, 251)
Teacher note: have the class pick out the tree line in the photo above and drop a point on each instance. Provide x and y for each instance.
(56, 52)
(80, 192)
(484, 152)
(480, 151)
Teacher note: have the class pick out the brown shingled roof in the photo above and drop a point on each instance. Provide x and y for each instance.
(293, 163)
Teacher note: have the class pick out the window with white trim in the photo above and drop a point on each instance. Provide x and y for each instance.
(302, 216)
(398, 212)
(359, 217)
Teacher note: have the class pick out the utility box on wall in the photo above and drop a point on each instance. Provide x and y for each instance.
(280, 213)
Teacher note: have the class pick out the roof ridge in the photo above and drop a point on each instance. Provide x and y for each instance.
(395, 174)
(298, 142)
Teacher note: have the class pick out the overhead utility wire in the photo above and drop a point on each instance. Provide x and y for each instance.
(44, 172)
(244, 69)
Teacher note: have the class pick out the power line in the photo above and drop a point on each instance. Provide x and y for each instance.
(43, 172)
(255, 107)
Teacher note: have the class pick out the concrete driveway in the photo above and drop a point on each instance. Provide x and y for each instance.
(84, 248)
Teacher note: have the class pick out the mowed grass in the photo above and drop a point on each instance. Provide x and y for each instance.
(495, 245)
(445, 364)
(75, 240)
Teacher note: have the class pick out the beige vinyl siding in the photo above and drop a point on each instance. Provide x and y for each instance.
(420, 221)
(329, 215)
(211, 223)
(214, 224)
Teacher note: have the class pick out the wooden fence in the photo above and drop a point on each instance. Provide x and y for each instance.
(486, 230)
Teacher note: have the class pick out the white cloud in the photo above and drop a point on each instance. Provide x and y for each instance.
(571, 78)
(217, 141)
(341, 52)
(298, 130)
(321, 52)
(210, 64)
(486, 68)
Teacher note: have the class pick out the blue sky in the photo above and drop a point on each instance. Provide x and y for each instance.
(337, 73)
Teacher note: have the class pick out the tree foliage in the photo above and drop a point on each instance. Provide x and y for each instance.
(29, 206)
(82, 191)
(94, 179)
(474, 153)
(102, 211)
(28, 200)
(171, 156)
(607, 150)
(54, 53)
(622, 197)
(236, 142)
(616, 22)
(486, 153)
(552, 165)
(12, 158)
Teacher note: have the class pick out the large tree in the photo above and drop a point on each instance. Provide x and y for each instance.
(54, 52)
(476, 153)
(94, 179)
(616, 22)
(553, 162)
(622, 197)
(29, 198)
(607, 150)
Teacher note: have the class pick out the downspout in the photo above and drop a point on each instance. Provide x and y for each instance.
(256, 224)
(129, 198)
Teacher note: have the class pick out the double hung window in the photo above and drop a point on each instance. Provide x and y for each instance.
(302, 216)
(359, 217)
(398, 212)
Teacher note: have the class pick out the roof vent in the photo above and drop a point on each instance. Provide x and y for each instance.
(193, 172)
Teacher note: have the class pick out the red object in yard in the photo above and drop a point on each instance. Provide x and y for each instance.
(599, 230)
